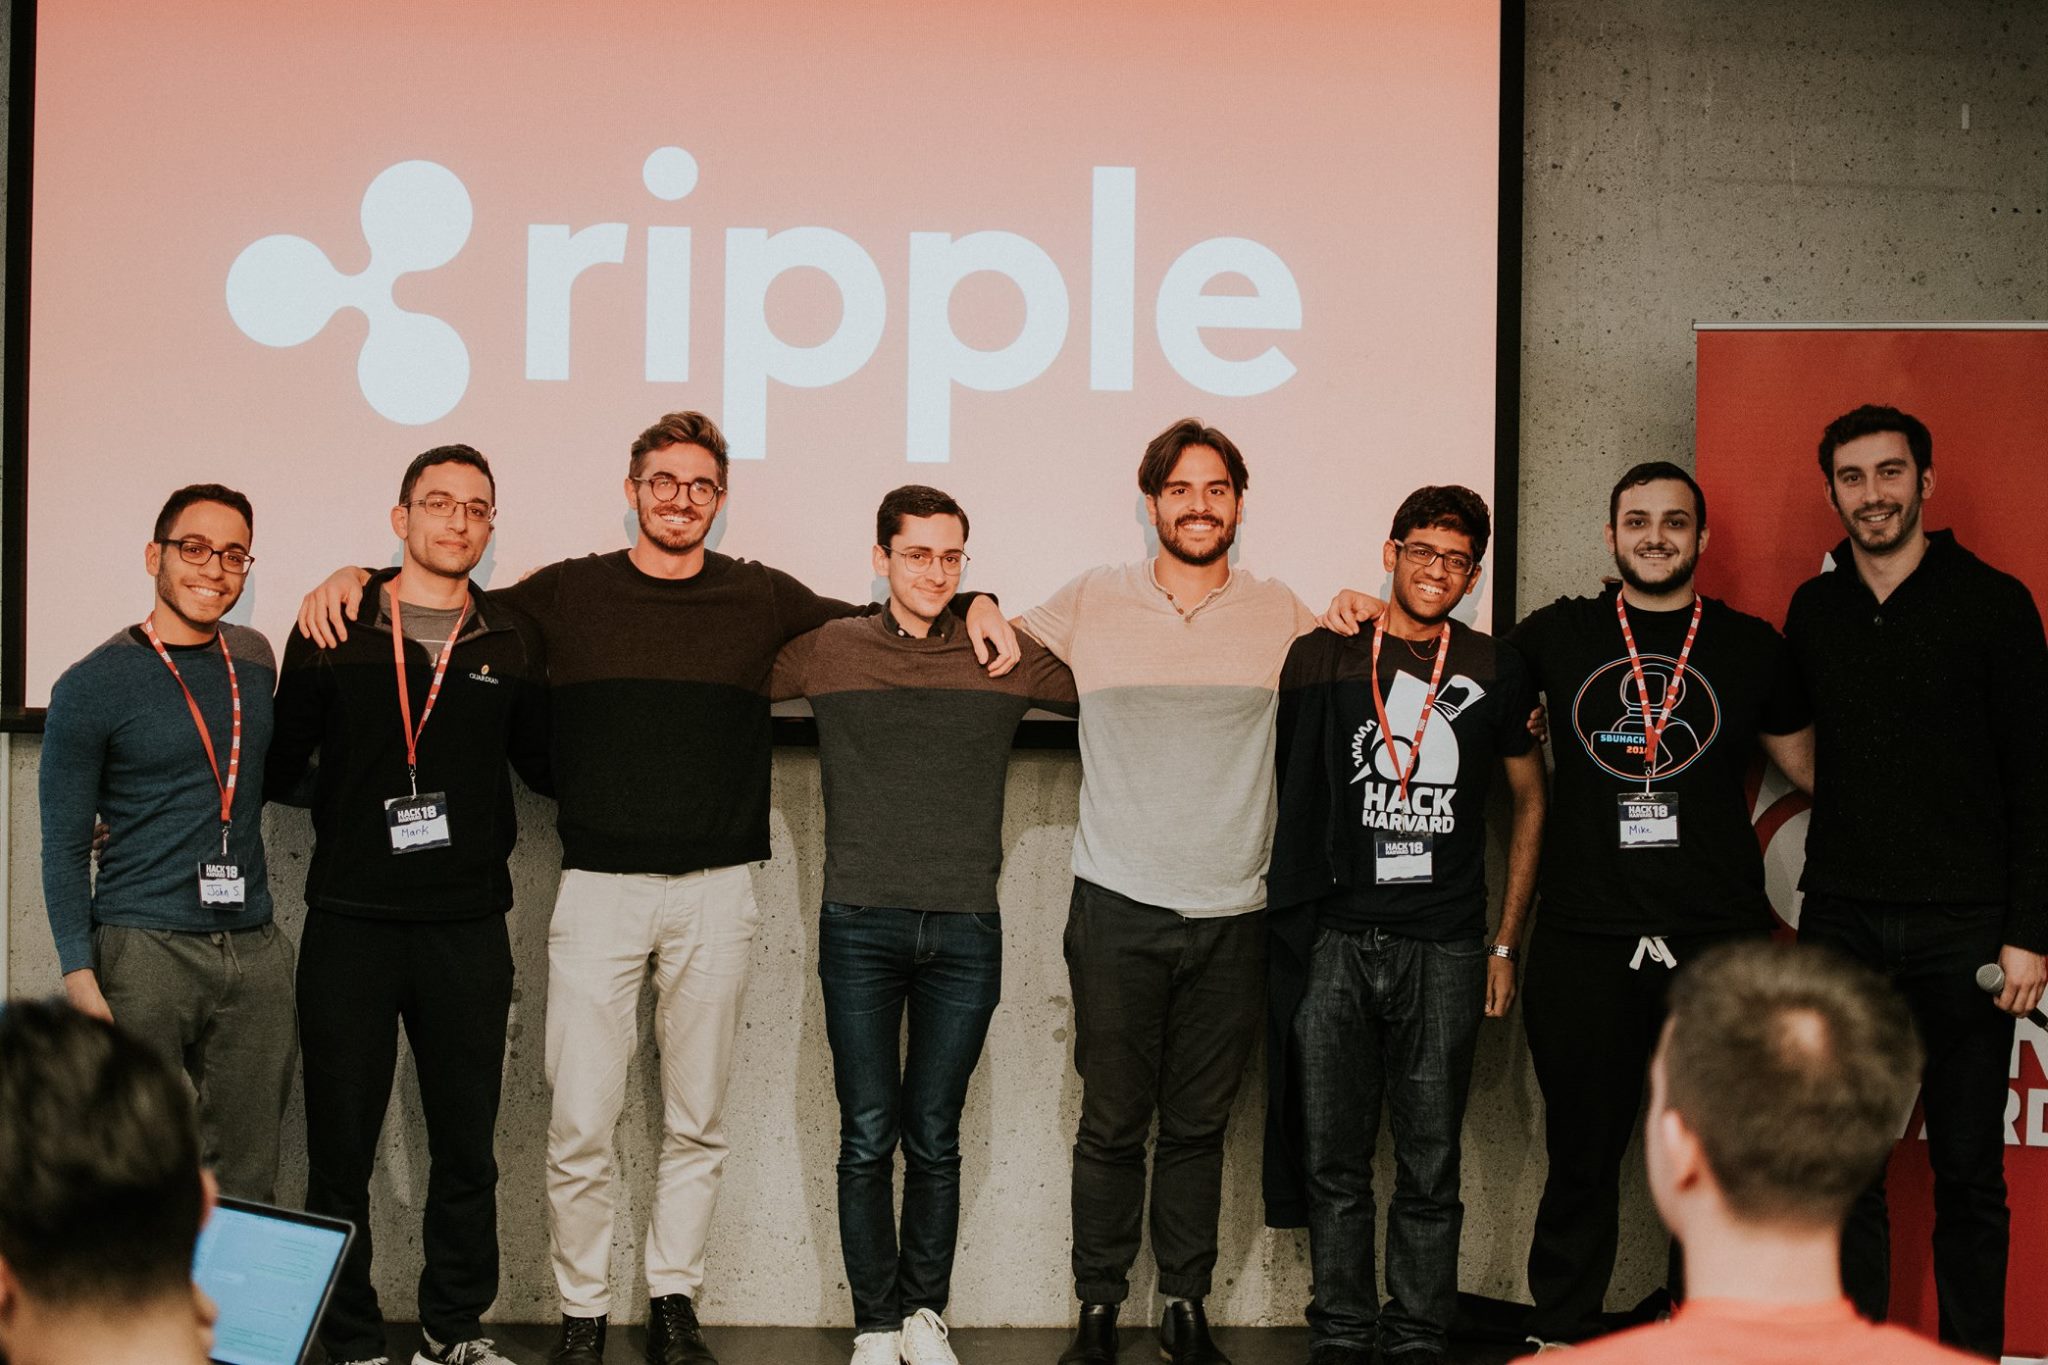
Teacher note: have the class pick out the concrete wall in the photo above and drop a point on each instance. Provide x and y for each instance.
(1684, 159)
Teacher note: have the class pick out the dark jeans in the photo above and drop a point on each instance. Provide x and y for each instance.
(1593, 1022)
(1931, 953)
(1395, 1018)
(1167, 1010)
(948, 968)
(450, 983)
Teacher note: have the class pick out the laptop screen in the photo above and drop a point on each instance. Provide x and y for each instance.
(269, 1270)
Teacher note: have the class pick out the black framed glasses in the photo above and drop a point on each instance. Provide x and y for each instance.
(951, 562)
(666, 486)
(1422, 556)
(443, 505)
(198, 552)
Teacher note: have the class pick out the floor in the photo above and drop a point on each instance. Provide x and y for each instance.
(528, 1345)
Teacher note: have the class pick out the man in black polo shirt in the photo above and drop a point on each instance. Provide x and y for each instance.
(1658, 697)
(1927, 855)
(412, 718)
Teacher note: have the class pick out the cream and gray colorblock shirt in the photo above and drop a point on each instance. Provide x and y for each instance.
(1177, 713)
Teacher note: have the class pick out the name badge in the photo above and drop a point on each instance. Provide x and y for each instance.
(417, 822)
(221, 885)
(1399, 859)
(1648, 819)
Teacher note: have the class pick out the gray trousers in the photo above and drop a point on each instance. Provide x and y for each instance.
(221, 1007)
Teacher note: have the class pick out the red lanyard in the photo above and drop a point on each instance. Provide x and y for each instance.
(1652, 732)
(413, 732)
(227, 787)
(1379, 703)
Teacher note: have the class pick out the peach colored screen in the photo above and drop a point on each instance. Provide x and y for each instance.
(996, 248)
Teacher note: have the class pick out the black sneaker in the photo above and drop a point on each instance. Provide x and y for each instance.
(673, 1337)
(581, 1342)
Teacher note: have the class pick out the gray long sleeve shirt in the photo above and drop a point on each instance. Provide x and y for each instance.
(119, 744)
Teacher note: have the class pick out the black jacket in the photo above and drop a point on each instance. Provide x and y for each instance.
(1930, 737)
(342, 704)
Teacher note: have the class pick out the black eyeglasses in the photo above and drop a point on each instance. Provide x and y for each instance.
(443, 505)
(666, 486)
(1422, 556)
(198, 552)
(951, 561)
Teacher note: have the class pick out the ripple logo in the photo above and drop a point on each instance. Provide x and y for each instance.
(413, 367)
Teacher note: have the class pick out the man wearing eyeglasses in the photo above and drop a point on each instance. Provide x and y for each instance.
(659, 661)
(1660, 697)
(161, 733)
(1380, 965)
(910, 918)
(412, 719)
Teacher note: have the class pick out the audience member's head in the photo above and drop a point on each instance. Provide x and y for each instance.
(1783, 1078)
(101, 1194)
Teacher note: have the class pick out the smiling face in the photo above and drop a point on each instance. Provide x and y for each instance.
(1198, 508)
(1877, 490)
(923, 593)
(1426, 593)
(675, 525)
(196, 596)
(450, 546)
(1656, 537)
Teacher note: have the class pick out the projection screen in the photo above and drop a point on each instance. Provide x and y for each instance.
(992, 248)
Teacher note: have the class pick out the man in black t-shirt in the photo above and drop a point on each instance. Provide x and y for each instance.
(1657, 699)
(1379, 965)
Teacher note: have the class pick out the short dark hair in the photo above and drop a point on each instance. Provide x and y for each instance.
(1657, 471)
(441, 455)
(1449, 505)
(100, 1192)
(202, 492)
(680, 429)
(913, 500)
(1795, 1068)
(1868, 420)
(1163, 452)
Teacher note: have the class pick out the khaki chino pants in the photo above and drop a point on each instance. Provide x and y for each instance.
(698, 929)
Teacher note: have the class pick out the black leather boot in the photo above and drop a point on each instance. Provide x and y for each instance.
(581, 1342)
(673, 1337)
(1184, 1336)
(1095, 1339)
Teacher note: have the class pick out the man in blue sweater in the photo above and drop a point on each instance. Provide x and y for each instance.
(161, 733)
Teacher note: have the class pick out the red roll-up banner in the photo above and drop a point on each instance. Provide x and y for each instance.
(1765, 395)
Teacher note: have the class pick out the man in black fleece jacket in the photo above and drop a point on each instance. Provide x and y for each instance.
(413, 718)
(1927, 856)
(659, 659)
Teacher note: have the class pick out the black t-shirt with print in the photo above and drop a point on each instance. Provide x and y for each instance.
(1480, 715)
(1739, 682)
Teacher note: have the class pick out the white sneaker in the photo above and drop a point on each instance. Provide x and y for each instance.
(877, 1348)
(924, 1340)
(476, 1351)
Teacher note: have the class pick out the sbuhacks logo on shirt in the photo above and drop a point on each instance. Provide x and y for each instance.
(1607, 716)
(414, 368)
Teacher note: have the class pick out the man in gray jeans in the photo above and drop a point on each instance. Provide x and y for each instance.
(161, 732)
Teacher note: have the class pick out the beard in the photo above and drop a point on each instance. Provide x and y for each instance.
(201, 615)
(1879, 540)
(1678, 573)
(674, 539)
(1171, 540)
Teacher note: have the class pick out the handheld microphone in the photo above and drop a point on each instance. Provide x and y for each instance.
(1991, 980)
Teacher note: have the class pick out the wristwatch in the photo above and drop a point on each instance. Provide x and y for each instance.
(1503, 950)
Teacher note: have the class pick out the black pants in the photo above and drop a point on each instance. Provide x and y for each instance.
(1167, 1010)
(1931, 954)
(1593, 1021)
(451, 985)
